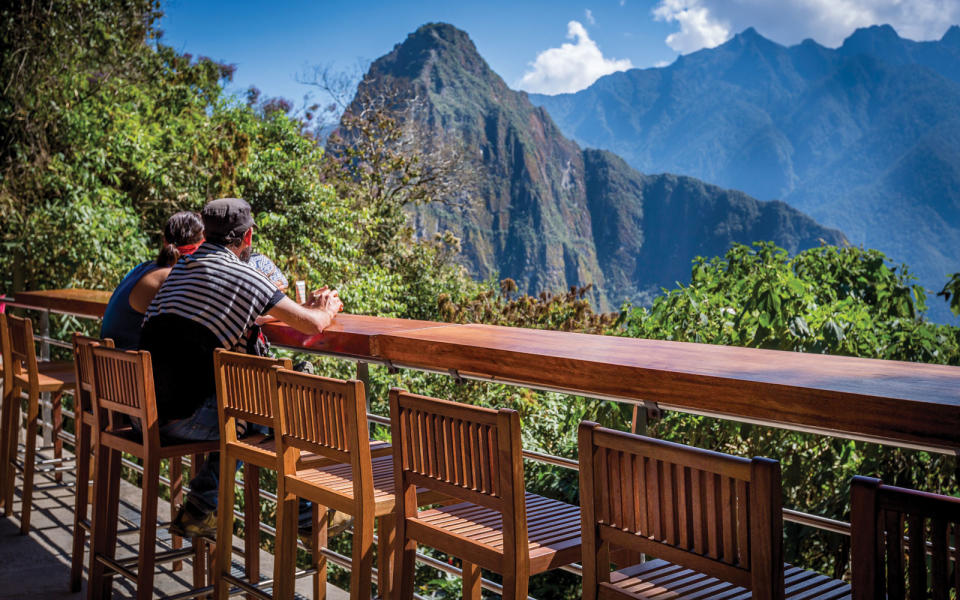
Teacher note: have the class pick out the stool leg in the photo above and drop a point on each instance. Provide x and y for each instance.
(361, 573)
(29, 461)
(148, 527)
(251, 521)
(285, 544)
(471, 581)
(199, 545)
(103, 529)
(200, 548)
(225, 502)
(515, 584)
(7, 445)
(176, 499)
(81, 499)
(406, 564)
(318, 539)
(386, 554)
(56, 400)
(13, 424)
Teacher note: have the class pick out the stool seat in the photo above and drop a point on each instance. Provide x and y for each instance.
(337, 481)
(553, 530)
(128, 439)
(52, 376)
(656, 579)
(266, 446)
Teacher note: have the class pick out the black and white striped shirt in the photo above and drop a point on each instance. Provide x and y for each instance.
(216, 289)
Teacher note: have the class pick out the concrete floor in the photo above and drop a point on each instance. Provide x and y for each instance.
(37, 565)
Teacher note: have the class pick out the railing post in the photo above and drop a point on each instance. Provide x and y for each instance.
(45, 410)
(363, 374)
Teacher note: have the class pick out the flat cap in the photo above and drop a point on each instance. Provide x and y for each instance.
(226, 216)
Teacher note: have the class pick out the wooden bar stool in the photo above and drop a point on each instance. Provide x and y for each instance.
(328, 417)
(473, 454)
(26, 374)
(243, 393)
(83, 422)
(713, 521)
(123, 389)
(893, 530)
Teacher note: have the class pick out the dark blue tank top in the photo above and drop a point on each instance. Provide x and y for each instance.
(120, 321)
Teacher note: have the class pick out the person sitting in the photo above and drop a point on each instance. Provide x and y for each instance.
(211, 299)
(182, 235)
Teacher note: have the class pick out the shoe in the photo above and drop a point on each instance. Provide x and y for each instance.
(192, 521)
(337, 523)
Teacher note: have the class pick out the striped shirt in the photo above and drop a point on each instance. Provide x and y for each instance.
(216, 289)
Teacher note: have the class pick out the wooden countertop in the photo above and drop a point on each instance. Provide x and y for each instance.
(904, 401)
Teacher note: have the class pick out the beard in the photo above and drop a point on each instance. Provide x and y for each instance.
(245, 253)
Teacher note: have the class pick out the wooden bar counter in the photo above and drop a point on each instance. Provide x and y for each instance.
(902, 401)
(911, 403)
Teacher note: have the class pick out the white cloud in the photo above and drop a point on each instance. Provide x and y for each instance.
(623, 2)
(589, 14)
(571, 67)
(707, 23)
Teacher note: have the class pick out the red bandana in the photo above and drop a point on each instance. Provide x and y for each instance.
(189, 249)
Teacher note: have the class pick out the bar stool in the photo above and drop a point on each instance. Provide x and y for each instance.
(83, 422)
(884, 519)
(713, 520)
(243, 393)
(473, 454)
(24, 373)
(328, 417)
(123, 388)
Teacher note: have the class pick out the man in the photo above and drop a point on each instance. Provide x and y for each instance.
(211, 299)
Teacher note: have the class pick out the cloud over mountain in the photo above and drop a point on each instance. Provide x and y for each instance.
(571, 67)
(708, 23)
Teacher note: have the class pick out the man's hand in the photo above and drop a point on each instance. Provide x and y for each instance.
(313, 317)
(325, 299)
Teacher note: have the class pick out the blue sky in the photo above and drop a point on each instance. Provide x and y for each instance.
(271, 43)
(549, 46)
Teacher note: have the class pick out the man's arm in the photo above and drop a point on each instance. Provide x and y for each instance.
(307, 319)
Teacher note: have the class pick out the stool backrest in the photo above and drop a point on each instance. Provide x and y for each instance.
(903, 542)
(243, 386)
(20, 350)
(321, 415)
(123, 385)
(83, 369)
(707, 511)
(465, 452)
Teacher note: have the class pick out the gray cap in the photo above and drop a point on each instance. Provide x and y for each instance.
(226, 216)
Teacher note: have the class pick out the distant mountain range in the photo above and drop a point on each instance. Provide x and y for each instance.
(551, 215)
(864, 137)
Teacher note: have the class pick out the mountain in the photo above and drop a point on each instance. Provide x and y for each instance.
(864, 137)
(551, 215)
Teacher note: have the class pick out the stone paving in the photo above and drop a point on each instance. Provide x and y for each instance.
(37, 566)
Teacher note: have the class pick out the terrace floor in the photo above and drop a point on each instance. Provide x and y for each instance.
(37, 565)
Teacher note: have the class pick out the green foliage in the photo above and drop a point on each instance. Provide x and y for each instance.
(951, 293)
(827, 300)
